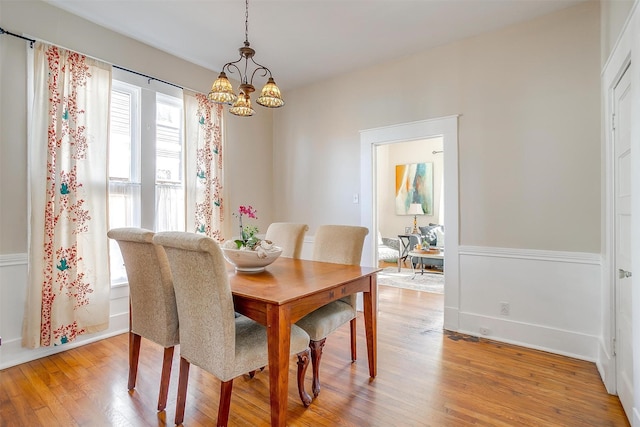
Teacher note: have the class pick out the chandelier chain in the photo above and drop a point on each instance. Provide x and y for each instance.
(246, 22)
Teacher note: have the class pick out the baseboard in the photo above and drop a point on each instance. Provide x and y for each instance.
(12, 353)
(606, 367)
(636, 418)
(552, 340)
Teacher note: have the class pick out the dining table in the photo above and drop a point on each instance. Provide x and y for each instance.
(286, 291)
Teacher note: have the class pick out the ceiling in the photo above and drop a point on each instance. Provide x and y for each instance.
(304, 41)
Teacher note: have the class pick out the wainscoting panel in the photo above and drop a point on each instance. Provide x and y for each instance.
(553, 298)
(307, 247)
(539, 299)
(13, 285)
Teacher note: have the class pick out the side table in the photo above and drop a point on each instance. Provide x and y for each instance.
(403, 249)
(424, 256)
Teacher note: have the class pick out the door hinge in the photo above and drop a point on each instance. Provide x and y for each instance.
(613, 342)
(613, 121)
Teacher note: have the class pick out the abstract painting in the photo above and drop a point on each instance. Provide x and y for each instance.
(414, 184)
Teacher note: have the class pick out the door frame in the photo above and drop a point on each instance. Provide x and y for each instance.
(626, 48)
(612, 75)
(447, 128)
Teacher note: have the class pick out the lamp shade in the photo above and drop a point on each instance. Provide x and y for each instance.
(415, 209)
(242, 107)
(221, 91)
(270, 95)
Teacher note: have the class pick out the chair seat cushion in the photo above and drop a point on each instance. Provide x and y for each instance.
(321, 322)
(251, 345)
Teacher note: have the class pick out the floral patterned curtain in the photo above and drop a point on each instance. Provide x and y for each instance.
(68, 284)
(203, 127)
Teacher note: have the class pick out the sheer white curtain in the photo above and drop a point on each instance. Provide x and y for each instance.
(169, 202)
(203, 128)
(68, 284)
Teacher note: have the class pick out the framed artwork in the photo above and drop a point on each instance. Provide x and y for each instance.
(414, 184)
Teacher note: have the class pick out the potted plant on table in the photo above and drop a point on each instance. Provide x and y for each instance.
(249, 253)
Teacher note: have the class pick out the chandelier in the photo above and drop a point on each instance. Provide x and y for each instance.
(222, 91)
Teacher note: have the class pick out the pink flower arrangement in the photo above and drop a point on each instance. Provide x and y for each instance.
(247, 234)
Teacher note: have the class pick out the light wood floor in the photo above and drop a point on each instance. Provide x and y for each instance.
(425, 378)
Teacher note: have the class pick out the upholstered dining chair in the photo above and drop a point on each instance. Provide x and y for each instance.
(289, 236)
(211, 336)
(153, 314)
(340, 244)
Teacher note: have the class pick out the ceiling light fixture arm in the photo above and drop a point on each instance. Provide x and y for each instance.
(246, 53)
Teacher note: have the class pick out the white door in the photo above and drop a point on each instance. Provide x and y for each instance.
(622, 218)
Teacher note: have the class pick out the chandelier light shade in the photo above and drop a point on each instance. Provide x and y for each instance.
(270, 95)
(242, 107)
(222, 91)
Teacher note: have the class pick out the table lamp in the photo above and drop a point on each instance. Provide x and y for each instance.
(415, 209)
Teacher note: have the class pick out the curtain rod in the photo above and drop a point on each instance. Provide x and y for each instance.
(146, 76)
(32, 41)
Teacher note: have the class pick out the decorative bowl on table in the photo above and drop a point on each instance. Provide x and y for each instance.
(250, 261)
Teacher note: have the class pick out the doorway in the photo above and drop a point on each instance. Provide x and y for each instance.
(447, 128)
(392, 201)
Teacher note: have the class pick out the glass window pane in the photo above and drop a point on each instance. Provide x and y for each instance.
(124, 211)
(120, 135)
(168, 139)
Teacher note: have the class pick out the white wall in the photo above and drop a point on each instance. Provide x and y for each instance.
(529, 169)
(529, 132)
(529, 143)
(553, 298)
(248, 146)
(388, 156)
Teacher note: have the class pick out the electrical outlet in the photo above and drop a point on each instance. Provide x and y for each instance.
(485, 331)
(356, 198)
(504, 308)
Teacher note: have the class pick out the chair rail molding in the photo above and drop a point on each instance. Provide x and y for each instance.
(7, 260)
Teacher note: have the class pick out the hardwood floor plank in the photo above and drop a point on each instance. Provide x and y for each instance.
(426, 377)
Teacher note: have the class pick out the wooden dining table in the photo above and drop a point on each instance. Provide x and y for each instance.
(288, 290)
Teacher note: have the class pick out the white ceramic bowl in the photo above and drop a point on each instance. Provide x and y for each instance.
(248, 261)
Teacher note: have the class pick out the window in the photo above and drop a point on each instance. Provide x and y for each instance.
(146, 160)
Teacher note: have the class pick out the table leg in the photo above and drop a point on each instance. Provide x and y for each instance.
(279, 344)
(370, 300)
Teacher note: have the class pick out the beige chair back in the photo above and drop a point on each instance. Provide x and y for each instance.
(154, 315)
(204, 300)
(289, 236)
(340, 244)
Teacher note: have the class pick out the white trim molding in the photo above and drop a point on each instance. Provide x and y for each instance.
(542, 255)
(447, 128)
(13, 259)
